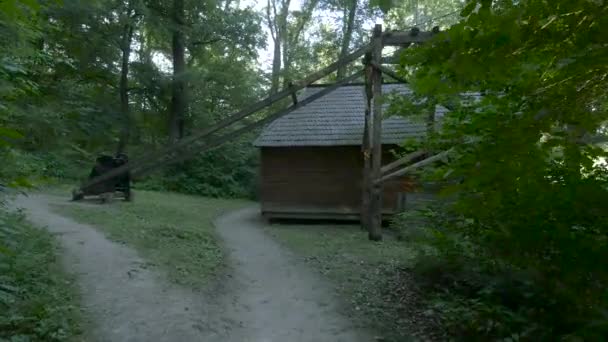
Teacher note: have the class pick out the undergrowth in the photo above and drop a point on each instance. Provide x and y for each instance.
(38, 301)
(368, 277)
(476, 295)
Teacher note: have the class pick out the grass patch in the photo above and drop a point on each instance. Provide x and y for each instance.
(368, 275)
(38, 301)
(170, 230)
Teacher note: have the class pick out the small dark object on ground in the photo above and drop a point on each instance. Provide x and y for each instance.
(120, 183)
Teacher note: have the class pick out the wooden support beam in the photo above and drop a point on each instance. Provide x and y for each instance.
(412, 167)
(219, 140)
(401, 38)
(294, 96)
(389, 72)
(366, 146)
(401, 161)
(375, 227)
(184, 143)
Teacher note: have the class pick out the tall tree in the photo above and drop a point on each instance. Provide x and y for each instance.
(179, 103)
(293, 36)
(286, 29)
(125, 47)
(424, 14)
(350, 10)
(276, 19)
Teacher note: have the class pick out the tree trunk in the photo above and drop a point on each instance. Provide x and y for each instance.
(276, 68)
(286, 60)
(124, 87)
(178, 96)
(348, 35)
(416, 14)
(278, 26)
(284, 38)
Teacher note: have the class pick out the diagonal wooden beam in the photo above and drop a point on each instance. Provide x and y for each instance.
(412, 167)
(414, 36)
(402, 161)
(294, 96)
(217, 141)
(184, 143)
(389, 72)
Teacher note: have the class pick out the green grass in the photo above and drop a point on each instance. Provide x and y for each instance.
(38, 301)
(170, 230)
(365, 273)
(56, 188)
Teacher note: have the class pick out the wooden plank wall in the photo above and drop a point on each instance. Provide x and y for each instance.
(308, 182)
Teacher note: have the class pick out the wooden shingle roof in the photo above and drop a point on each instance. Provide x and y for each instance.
(337, 119)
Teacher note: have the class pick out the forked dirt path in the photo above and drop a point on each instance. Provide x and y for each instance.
(276, 297)
(266, 296)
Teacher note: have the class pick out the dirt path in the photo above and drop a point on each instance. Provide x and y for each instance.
(124, 299)
(277, 298)
(267, 296)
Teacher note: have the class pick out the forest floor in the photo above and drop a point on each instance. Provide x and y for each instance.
(372, 277)
(131, 288)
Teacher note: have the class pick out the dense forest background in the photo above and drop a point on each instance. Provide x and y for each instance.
(518, 252)
(80, 78)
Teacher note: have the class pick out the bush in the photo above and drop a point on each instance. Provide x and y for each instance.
(36, 299)
(478, 294)
(40, 167)
(226, 172)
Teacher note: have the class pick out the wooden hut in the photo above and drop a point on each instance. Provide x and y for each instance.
(311, 159)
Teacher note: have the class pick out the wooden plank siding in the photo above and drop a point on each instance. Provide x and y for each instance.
(319, 182)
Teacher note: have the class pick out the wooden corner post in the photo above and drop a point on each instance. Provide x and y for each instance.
(375, 200)
(366, 184)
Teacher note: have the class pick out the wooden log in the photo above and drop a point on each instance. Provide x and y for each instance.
(184, 143)
(412, 167)
(375, 227)
(217, 141)
(400, 38)
(401, 161)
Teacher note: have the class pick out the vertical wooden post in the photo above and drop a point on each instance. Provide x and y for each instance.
(375, 226)
(366, 185)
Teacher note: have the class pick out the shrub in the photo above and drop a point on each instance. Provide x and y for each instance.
(36, 298)
(479, 294)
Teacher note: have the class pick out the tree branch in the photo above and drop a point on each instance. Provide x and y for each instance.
(271, 22)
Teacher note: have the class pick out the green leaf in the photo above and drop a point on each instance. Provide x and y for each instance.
(10, 133)
(385, 5)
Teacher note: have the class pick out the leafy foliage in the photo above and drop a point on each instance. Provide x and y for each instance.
(226, 172)
(525, 82)
(37, 301)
